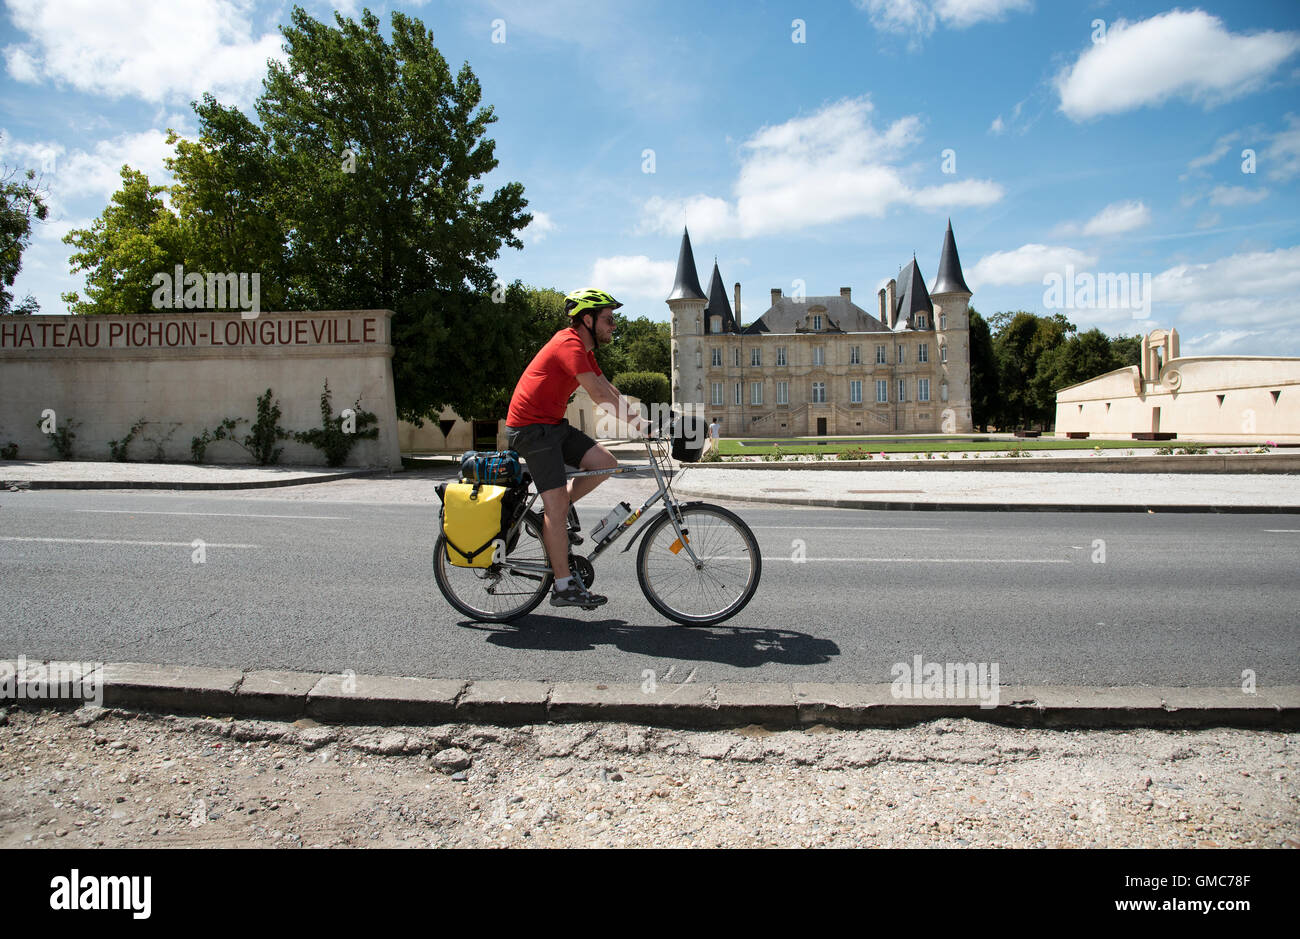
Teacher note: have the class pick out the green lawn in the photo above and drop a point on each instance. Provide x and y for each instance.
(944, 445)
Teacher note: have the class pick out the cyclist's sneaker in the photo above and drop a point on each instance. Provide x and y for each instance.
(577, 595)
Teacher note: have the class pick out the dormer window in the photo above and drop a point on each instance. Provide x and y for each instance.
(921, 321)
(715, 324)
(816, 322)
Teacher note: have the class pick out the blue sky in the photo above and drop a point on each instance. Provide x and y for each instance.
(807, 143)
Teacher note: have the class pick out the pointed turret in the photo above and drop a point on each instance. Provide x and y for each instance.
(719, 304)
(950, 279)
(913, 298)
(686, 286)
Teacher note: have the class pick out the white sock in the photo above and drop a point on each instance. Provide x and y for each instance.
(563, 583)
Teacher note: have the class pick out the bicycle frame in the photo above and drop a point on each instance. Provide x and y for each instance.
(626, 525)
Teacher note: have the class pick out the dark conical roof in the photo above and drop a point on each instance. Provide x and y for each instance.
(719, 304)
(912, 296)
(686, 286)
(950, 279)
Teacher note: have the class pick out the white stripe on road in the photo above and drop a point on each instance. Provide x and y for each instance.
(152, 544)
(837, 528)
(219, 514)
(918, 560)
(1291, 530)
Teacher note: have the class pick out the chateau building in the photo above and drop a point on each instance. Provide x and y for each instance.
(823, 365)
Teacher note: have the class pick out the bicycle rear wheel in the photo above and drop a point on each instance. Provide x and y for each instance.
(495, 594)
(728, 574)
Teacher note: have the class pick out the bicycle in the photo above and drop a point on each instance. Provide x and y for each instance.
(698, 564)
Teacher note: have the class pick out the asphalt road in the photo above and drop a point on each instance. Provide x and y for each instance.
(337, 577)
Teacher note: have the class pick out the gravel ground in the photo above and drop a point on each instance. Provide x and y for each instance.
(117, 778)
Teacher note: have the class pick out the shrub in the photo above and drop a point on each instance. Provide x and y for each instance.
(775, 456)
(330, 438)
(9, 451)
(61, 438)
(853, 453)
(225, 431)
(117, 448)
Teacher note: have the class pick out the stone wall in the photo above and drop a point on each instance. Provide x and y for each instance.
(184, 373)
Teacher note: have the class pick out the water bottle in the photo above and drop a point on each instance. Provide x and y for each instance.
(609, 524)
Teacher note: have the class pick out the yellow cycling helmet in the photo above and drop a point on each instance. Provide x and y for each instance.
(589, 298)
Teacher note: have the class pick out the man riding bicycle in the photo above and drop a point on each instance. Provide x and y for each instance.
(537, 430)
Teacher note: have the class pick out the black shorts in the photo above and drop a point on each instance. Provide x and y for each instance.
(546, 448)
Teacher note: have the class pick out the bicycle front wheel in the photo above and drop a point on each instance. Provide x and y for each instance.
(723, 582)
(495, 594)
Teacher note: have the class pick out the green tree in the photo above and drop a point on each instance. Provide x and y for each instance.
(649, 387)
(984, 386)
(225, 194)
(135, 238)
(646, 343)
(1078, 359)
(21, 203)
(381, 150)
(1127, 350)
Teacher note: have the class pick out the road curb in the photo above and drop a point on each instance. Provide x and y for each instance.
(376, 699)
(1206, 463)
(162, 484)
(1153, 508)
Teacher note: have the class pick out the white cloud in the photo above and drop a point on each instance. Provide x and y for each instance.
(157, 50)
(1237, 195)
(633, 276)
(1209, 220)
(1221, 147)
(1255, 282)
(707, 216)
(538, 228)
(1186, 54)
(998, 125)
(919, 17)
(1026, 265)
(826, 167)
(1117, 218)
(1220, 342)
(1282, 156)
(960, 14)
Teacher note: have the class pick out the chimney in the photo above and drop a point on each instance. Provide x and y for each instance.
(891, 298)
(776, 295)
(737, 310)
(883, 317)
(847, 293)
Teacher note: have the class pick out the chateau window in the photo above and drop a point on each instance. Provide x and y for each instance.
(717, 393)
(855, 355)
(756, 392)
(900, 355)
(943, 353)
(715, 324)
(737, 360)
(943, 320)
(717, 358)
(943, 391)
(923, 352)
(923, 389)
(780, 355)
(755, 357)
(819, 392)
(855, 392)
(699, 358)
(902, 389)
(817, 322)
(783, 392)
(880, 355)
(737, 396)
(819, 355)
(882, 391)
(921, 321)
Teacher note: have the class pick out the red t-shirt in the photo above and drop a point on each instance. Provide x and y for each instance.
(542, 394)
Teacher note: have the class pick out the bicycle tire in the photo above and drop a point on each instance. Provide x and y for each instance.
(482, 582)
(713, 531)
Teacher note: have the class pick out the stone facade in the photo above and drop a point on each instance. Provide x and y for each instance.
(1229, 397)
(821, 365)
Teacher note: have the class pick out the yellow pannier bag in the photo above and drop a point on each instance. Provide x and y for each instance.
(471, 522)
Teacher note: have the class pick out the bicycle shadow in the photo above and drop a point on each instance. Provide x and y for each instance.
(741, 646)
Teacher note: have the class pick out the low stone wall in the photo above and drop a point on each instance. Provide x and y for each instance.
(185, 373)
(1185, 463)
